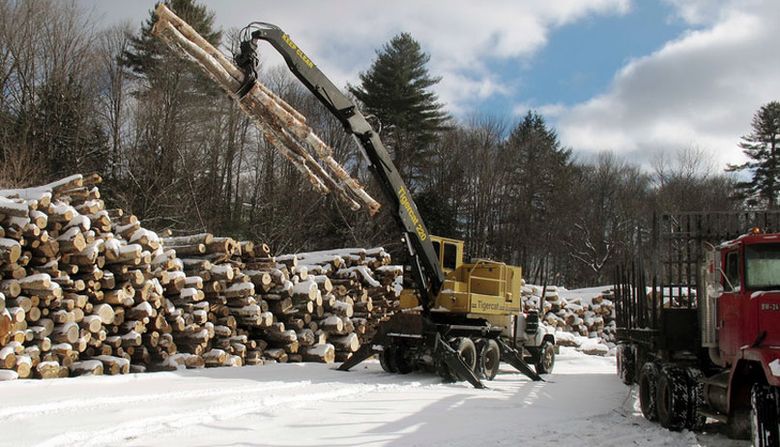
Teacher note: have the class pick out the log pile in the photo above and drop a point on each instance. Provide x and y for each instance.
(592, 317)
(88, 290)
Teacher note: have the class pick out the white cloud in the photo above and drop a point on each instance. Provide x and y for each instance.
(461, 36)
(701, 89)
(698, 12)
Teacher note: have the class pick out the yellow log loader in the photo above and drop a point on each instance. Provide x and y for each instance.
(461, 319)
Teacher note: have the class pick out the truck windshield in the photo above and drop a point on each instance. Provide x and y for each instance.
(762, 266)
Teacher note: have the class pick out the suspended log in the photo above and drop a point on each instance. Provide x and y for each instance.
(284, 128)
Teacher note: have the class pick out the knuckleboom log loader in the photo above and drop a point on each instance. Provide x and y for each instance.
(699, 327)
(461, 319)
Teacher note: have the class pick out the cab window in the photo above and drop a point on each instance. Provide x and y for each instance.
(731, 272)
(437, 248)
(762, 267)
(450, 256)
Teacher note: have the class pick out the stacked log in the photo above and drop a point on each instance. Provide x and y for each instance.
(88, 290)
(593, 317)
(305, 307)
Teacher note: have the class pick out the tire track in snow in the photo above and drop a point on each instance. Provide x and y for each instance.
(20, 412)
(179, 420)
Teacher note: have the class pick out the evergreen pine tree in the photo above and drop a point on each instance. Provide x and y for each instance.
(762, 147)
(539, 172)
(397, 90)
(150, 58)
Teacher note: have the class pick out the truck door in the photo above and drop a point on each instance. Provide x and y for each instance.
(729, 306)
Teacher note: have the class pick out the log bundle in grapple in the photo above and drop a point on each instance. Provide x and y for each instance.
(88, 290)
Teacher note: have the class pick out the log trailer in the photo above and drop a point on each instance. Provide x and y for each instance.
(699, 329)
(460, 320)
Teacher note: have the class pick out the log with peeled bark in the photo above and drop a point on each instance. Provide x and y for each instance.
(215, 357)
(201, 238)
(7, 357)
(114, 365)
(87, 368)
(349, 343)
(23, 367)
(5, 326)
(48, 370)
(66, 333)
(323, 353)
(10, 250)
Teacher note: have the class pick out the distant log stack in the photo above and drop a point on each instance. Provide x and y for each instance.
(593, 317)
(88, 290)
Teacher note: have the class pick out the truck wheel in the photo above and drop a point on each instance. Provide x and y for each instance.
(546, 358)
(490, 359)
(626, 363)
(468, 352)
(764, 416)
(400, 361)
(696, 420)
(648, 380)
(387, 360)
(672, 398)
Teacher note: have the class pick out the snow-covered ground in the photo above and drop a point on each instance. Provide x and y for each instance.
(582, 403)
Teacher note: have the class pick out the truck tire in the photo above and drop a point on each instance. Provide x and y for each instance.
(673, 398)
(695, 420)
(648, 381)
(387, 360)
(468, 352)
(546, 360)
(490, 359)
(626, 363)
(764, 420)
(400, 362)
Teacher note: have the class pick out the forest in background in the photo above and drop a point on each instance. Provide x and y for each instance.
(178, 153)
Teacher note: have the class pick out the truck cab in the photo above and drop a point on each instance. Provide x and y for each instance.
(699, 332)
(747, 307)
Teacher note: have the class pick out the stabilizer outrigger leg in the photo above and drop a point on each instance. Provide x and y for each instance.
(455, 363)
(441, 349)
(365, 351)
(511, 356)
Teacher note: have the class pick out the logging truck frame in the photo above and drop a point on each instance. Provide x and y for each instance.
(699, 329)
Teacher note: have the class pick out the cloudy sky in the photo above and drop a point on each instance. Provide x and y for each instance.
(635, 77)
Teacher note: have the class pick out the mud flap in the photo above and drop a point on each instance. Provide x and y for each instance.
(456, 364)
(511, 356)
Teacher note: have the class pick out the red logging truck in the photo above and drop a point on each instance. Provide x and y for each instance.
(699, 328)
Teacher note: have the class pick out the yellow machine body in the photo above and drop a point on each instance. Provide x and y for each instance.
(482, 287)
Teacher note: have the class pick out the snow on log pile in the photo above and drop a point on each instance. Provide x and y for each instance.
(88, 290)
(576, 318)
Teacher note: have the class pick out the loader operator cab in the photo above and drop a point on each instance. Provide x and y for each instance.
(449, 251)
(481, 287)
